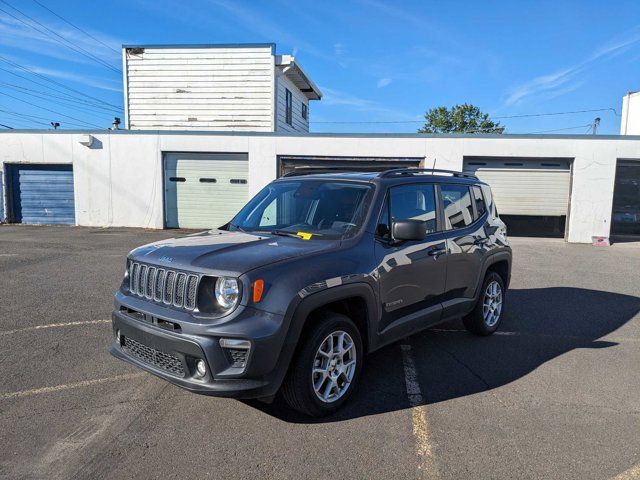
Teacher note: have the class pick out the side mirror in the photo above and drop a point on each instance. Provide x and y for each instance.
(409, 229)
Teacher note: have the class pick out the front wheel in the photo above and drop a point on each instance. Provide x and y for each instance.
(487, 314)
(326, 369)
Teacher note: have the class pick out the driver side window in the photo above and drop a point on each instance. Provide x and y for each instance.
(415, 202)
(408, 202)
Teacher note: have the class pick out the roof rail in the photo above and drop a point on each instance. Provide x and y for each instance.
(313, 170)
(432, 171)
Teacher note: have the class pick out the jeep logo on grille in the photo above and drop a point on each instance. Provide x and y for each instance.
(166, 259)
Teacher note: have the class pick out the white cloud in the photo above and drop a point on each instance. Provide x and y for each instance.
(383, 82)
(339, 98)
(338, 49)
(565, 80)
(250, 19)
(19, 36)
(76, 77)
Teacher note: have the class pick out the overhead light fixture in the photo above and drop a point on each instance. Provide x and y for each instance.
(86, 140)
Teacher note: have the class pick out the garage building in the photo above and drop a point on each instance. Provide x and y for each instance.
(575, 187)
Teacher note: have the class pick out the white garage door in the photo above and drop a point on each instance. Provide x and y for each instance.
(204, 190)
(525, 186)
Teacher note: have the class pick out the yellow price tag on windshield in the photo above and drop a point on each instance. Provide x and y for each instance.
(304, 235)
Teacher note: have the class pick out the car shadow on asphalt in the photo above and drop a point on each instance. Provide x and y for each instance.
(539, 325)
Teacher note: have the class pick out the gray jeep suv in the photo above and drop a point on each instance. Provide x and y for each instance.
(315, 271)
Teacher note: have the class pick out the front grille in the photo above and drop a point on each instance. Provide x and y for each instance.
(179, 290)
(162, 285)
(152, 356)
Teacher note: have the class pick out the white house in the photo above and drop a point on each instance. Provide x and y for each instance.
(630, 122)
(233, 87)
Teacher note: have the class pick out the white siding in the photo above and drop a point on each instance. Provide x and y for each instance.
(209, 88)
(299, 124)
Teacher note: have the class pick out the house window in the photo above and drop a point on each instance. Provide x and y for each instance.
(305, 112)
(289, 100)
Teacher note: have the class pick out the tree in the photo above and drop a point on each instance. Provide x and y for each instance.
(464, 118)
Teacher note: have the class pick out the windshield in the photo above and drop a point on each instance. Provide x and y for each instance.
(318, 208)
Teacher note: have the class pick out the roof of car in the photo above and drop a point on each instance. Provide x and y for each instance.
(389, 176)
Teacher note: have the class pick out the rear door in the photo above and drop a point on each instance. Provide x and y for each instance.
(411, 274)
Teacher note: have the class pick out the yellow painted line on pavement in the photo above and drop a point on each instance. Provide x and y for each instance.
(426, 455)
(69, 386)
(632, 474)
(53, 325)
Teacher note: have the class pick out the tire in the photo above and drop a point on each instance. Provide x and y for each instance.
(298, 387)
(480, 321)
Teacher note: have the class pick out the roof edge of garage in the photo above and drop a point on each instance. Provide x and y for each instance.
(321, 135)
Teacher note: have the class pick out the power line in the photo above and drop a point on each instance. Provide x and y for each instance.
(19, 123)
(44, 121)
(52, 111)
(69, 103)
(66, 43)
(66, 95)
(62, 97)
(561, 129)
(76, 27)
(6, 126)
(44, 77)
(498, 117)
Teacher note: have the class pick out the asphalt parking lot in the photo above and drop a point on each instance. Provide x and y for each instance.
(556, 394)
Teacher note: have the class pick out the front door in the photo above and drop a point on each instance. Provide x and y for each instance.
(411, 274)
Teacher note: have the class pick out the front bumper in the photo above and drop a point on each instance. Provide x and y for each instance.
(172, 356)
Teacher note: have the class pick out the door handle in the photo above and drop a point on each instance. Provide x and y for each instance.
(436, 252)
(480, 241)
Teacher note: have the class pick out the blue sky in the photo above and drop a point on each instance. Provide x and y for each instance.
(375, 61)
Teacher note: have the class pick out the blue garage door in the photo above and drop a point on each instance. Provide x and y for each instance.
(42, 194)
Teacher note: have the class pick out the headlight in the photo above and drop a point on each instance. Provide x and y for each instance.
(227, 292)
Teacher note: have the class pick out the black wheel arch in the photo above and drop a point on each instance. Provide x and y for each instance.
(500, 262)
(298, 315)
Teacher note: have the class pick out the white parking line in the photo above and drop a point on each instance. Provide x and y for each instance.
(68, 386)
(632, 474)
(52, 325)
(428, 464)
(447, 330)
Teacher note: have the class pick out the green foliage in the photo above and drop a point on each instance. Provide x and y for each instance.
(464, 118)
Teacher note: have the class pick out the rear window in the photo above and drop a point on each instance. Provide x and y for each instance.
(456, 203)
(478, 199)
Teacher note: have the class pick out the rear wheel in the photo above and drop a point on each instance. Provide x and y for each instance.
(327, 367)
(487, 314)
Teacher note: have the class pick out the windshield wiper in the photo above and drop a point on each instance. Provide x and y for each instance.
(238, 227)
(287, 233)
(283, 233)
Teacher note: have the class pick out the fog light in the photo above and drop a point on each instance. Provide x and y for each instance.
(201, 368)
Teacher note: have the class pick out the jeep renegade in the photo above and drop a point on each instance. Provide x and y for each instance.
(315, 271)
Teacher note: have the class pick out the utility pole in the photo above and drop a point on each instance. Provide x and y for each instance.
(594, 126)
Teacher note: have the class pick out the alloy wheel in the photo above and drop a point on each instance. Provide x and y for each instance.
(334, 366)
(492, 304)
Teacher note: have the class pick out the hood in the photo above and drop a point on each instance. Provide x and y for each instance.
(227, 252)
